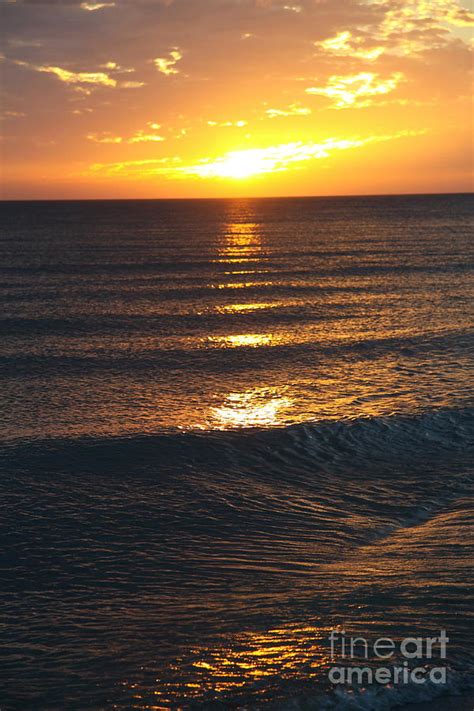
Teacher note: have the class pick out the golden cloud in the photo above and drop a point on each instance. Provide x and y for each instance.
(92, 6)
(104, 138)
(243, 164)
(353, 91)
(167, 65)
(141, 136)
(136, 168)
(292, 110)
(227, 124)
(82, 81)
(344, 44)
(413, 26)
(98, 78)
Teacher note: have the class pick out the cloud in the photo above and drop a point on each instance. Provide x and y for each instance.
(400, 28)
(292, 110)
(353, 91)
(227, 124)
(113, 66)
(136, 168)
(93, 6)
(245, 163)
(141, 136)
(11, 115)
(19, 43)
(413, 26)
(344, 44)
(65, 75)
(104, 138)
(258, 161)
(83, 81)
(167, 65)
(130, 84)
(449, 11)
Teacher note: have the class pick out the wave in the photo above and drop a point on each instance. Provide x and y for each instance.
(225, 359)
(382, 698)
(431, 435)
(307, 492)
(271, 260)
(80, 324)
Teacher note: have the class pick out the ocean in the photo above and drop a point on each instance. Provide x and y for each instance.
(229, 428)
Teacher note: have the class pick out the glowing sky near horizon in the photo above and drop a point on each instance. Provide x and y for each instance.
(194, 98)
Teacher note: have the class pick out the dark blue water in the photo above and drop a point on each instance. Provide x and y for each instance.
(228, 427)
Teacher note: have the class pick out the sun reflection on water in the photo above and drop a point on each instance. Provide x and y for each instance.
(240, 272)
(252, 408)
(241, 284)
(250, 663)
(253, 340)
(240, 240)
(254, 306)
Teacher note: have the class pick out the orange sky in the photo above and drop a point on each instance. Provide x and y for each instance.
(196, 98)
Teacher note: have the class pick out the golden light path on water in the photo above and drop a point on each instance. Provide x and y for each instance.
(253, 340)
(256, 306)
(259, 323)
(242, 284)
(241, 239)
(255, 406)
(239, 665)
(258, 406)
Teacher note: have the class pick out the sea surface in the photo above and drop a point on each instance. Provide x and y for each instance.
(227, 428)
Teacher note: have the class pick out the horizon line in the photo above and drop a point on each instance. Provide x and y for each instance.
(239, 197)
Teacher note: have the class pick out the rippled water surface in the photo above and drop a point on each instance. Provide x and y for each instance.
(228, 427)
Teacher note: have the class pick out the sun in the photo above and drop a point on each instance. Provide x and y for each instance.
(237, 165)
(251, 162)
(240, 165)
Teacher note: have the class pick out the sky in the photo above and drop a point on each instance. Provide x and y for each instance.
(211, 98)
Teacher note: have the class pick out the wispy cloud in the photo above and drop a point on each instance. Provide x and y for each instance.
(93, 6)
(403, 28)
(407, 27)
(257, 161)
(246, 163)
(12, 115)
(81, 80)
(137, 168)
(141, 136)
(344, 44)
(113, 66)
(104, 138)
(167, 65)
(357, 90)
(65, 75)
(449, 11)
(292, 110)
(227, 124)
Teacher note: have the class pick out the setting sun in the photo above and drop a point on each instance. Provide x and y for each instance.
(236, 165)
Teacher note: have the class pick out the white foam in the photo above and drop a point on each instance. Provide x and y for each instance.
(382, 698)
